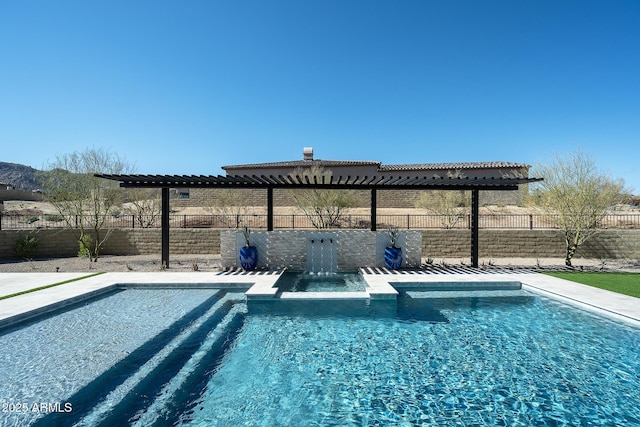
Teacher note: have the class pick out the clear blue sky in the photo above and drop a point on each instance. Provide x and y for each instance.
(186, 87)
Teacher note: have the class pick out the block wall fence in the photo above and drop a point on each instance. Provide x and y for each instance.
(608, 244)
(62, 243)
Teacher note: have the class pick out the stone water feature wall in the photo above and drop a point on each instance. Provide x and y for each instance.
(290, 248)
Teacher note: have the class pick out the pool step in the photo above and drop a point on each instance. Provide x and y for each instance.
(467, 286)
(179, 383)
(134, 390)
(507, 293)
(297, 296)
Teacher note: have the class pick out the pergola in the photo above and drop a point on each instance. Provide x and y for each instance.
(373, 184)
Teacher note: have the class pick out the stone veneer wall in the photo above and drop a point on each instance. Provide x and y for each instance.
(608, 244)
(288, 248)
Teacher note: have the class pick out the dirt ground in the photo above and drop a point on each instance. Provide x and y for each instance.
(17, 207)
(113, 263)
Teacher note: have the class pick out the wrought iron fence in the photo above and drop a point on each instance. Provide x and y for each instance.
(301, 222)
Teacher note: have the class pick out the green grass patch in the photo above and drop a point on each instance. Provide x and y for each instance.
(622, 283)
(49, 286)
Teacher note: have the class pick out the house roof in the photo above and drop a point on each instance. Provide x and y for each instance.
(381, 167)
(304, 163)
(450, 166)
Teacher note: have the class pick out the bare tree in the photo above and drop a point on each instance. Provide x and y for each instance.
(578, 194)
(324, 208)
(144, 204)
(450, 205)
(83, 200)
(232, 204)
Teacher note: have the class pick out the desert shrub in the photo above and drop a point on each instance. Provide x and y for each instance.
(26, 246)
(85, 246)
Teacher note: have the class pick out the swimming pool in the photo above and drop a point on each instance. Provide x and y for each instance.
(204, 357)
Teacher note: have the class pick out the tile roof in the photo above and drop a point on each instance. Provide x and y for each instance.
(450, 166)
(304, 163)
(380, 166)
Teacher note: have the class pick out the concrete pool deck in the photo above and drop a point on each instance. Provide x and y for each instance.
(260, 285)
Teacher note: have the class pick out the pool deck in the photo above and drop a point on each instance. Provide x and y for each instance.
(381, 284)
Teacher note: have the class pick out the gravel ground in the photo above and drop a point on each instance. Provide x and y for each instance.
(212, 263)
(112, 263)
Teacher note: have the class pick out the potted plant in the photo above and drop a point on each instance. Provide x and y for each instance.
(248, 253)
(393, 253)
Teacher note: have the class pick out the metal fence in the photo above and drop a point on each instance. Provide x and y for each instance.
(301, 222)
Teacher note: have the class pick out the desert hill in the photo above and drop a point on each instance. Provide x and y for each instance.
(21, 177)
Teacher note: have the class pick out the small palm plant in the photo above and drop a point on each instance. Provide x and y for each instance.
(246, 232)
(393, 235)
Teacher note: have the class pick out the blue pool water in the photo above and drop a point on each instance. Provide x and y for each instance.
(203, 358)
(522, 360)
(334, 282)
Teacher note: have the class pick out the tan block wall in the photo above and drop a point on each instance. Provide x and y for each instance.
(607, 244)
(20, 195)
(62, 243)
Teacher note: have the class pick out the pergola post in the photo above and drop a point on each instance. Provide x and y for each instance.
(475, 213)
(269, 208)
(165, 227)
(374, 203)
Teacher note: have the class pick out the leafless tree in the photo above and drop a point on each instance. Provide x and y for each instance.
(232, 205)
(450, 205)
(83, 200)
(324, 208)
(144, 204)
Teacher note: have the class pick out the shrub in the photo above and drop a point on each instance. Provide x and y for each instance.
(85, 246)
(26, 246)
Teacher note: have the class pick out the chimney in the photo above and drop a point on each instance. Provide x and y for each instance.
(307, 153)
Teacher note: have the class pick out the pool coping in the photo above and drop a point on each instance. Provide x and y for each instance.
(261, 285)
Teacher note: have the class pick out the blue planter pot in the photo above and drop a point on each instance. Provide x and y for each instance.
(248, 257)
(393, 258)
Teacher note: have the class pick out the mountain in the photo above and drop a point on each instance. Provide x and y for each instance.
(21, 177)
